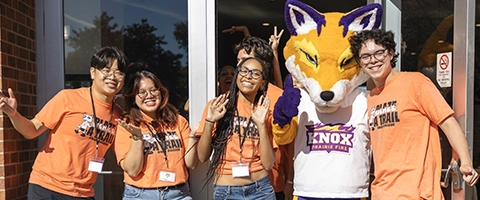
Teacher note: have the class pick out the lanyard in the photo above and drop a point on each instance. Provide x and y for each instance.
(161, 141)
(241, 141)
(97, 139)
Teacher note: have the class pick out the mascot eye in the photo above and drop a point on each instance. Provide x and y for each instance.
(345, 62)
(311, 59)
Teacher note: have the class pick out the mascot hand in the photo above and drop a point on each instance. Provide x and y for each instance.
(287, 105)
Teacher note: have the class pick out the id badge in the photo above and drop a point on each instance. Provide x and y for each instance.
(167, 176)
(96, 164)
(240, 169)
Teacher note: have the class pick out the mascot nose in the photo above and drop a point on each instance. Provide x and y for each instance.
(327, 95)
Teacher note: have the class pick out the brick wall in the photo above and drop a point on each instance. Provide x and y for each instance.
(17, 71)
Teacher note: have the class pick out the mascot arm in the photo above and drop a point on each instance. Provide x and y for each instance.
(287, 134)
(286, 108)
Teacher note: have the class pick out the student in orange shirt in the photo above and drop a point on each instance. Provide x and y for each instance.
(236, 128)
(281, 175)
(405, 112)
(153, 146)
(81, 124)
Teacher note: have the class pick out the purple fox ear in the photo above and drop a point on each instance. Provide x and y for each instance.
(364, 18)
(301, 18)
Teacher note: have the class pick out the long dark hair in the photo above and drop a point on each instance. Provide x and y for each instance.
(166, 112)
(225, 126)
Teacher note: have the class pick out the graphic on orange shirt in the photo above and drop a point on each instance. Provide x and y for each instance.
(383, 115)
(104, 133)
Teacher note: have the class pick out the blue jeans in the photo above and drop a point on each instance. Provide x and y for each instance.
(169, 193)
(257, 190)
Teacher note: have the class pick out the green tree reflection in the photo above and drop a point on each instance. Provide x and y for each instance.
(140, 44)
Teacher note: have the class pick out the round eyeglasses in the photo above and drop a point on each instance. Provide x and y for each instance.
(244, 71)
(379, 55)
(143, 93)
(118, 75)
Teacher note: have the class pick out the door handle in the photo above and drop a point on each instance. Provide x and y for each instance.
(453, 173)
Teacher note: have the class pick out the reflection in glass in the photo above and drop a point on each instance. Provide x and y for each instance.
(151, 33)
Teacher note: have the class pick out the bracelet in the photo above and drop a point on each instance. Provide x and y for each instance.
(194, 137)
(290, 182)
(136, 137)
(213, 122)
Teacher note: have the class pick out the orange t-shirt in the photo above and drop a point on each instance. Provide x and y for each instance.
(403, 119)
(62, 163)
(251, 146)
(273, 93)
(277, 174)
(279, 170)
(154, 162)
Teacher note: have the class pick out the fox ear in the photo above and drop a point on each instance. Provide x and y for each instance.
(364, 18)
(301, 18)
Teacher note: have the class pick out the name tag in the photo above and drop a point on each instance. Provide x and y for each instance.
(240, 170)
(96, 164)
(167, 176)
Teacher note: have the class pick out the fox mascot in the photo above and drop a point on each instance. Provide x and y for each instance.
(325, 114)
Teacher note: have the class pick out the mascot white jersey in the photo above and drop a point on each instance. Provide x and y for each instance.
(326, 116)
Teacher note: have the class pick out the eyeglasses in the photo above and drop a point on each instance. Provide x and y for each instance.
(244, 71)
(143, 94)
(117, 74)
(379, 55)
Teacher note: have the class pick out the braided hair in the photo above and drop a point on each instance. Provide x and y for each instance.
(225, 125)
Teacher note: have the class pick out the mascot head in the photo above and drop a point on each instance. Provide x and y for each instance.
(318, 52)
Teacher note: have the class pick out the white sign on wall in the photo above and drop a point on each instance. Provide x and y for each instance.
(444, 69)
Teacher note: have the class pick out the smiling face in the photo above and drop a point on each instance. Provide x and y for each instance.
(148, 97)
(108, 81)
(250, 79)
(225, 78)
(375, 61)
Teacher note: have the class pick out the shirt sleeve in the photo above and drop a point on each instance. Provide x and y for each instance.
(432, 103)
(53, 111)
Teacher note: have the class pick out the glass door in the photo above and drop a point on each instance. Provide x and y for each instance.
(151, 33)
(428, 37)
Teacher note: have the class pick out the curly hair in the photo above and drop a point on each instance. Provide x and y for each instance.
(225, 125)
(380, 36)
(260, 48)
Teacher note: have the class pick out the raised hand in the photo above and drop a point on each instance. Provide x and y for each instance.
(8, 104)
(134, 130)
(216, 110)
(287, 105)
(260, 114)
(274, 39)
(234, 29)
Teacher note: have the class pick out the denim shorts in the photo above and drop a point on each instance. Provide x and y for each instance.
(257, 190)
(178, 192)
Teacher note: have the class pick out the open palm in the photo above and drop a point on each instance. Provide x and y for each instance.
(260, 114)
(134, 130)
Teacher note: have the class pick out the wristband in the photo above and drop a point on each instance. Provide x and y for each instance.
(290, 182)
(210, 121)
